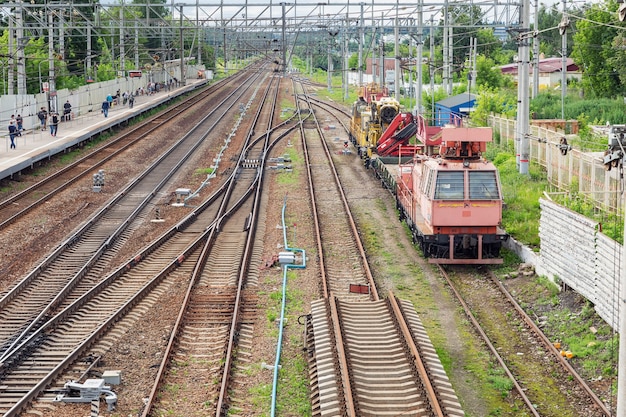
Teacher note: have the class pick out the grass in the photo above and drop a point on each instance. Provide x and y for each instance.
(500, 381)
(336, 92)
(520, 217)
(293, 397)
(260, 396)
(204, 171)
(571, 320)
(291, 177)
(293, 386)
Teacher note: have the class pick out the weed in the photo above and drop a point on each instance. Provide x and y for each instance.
(204, 171)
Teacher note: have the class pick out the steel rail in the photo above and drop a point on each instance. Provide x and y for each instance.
(316, 219)
(346, 385)
(490, 345)
(344, 199)
(71, 310)
(344, 369)
(45, 310)
(415, 354)
(49, 186)
(549, 345)
(245, 261)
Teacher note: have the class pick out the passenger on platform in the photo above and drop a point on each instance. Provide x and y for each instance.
(67, 111)
(12, 132)
(110, 100)
(105, 108)
(43, 116)
(54, 123)
(20, 124)
(131, 101)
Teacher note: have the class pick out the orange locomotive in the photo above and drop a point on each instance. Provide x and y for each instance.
(452, 201)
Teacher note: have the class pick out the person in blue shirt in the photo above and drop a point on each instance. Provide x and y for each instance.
(105, 108)
(12, 132)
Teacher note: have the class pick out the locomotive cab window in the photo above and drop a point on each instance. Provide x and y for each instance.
(449, 185)
(483, 185)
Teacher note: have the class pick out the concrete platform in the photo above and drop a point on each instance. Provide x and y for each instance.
(36, 145)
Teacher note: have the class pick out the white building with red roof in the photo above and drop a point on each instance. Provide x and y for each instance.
(549, 71)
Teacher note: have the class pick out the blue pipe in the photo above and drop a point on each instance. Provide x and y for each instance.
(282, 308)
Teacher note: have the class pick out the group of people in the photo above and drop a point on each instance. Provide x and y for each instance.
(108, 102)
(52, 119)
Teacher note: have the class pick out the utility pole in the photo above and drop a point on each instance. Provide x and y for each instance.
(182, 49)
(449, 67)
(284, 46)
(11, 47)
(361, 42)
(373, 48)
(346, 56)
(446, 46)
(475, 65)
(396, 78)
(621, 369)
(563, 31)
(224, 36)
(329, 72)
(431, 67)
(21, 56)
(199, 32)
(523, 100)
(418, 55)
(136, 45)
(51, 75)
(122, 42)
(382, 52)
(88, 57)
(536, 53)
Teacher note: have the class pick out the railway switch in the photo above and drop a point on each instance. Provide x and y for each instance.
(91, 390)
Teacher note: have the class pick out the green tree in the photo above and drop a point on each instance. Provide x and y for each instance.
(488, 75)
(493, 100)
(550, 40)
(594, 49)
(618, 60)
(467, 24)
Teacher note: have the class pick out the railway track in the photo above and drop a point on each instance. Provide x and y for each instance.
(367, 356)
(29, 331)
(36, 296)
(529, 359)
(388, 355)
(343, 261)
(214, 328)
(18, 205)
